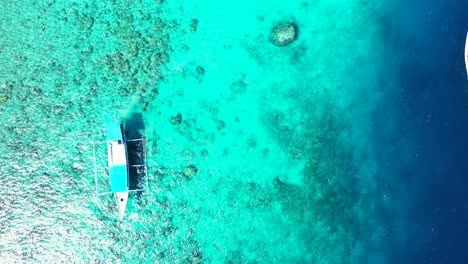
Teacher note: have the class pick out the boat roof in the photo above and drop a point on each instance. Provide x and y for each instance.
(114, 131)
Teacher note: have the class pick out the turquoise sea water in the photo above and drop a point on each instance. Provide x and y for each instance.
(283, 139)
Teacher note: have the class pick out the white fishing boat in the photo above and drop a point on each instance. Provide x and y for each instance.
(466, 54)
(118, 165)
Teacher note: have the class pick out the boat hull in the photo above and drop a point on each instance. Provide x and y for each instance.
(121, 199)
(118, 164)
(466, 55)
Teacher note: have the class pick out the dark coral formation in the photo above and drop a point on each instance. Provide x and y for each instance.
(330, 187)
(200, 70)
(177, 119)
(190, 171)
(204, 152)
(194, 25)
(284, 34)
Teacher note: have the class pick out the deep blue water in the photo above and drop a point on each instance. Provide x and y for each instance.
(427, 38)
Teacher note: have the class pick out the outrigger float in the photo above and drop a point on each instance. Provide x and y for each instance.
(118, 165)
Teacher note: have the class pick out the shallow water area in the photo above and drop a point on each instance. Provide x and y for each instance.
(256, 153)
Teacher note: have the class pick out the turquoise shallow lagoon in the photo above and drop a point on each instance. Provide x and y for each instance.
(256, 153)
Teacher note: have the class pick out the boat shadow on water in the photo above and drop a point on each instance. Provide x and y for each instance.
(136, 149)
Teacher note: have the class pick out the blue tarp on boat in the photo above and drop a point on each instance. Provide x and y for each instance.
(118, 178)
(113, 131)
(117, 158)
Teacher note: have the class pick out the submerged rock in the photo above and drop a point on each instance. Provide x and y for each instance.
(220, 124)
(200, 70)
(204, 152)
(143, 105)
(194, 25)
(190, 171)
(283, 34)
(176, 120)
(87, 22)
